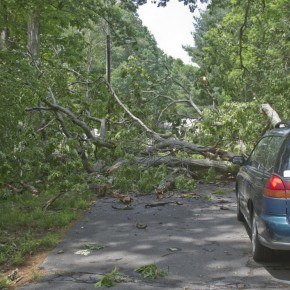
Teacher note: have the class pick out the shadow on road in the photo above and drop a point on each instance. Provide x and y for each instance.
(279, 267)
(213, 249)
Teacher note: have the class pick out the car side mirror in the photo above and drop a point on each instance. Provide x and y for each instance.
(240, 160)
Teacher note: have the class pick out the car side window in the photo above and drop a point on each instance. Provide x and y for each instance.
(286, 172)
(258, 155)
(272, 152)
(285, 160)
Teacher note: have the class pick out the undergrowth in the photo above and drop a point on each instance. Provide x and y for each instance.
(181, 182)
(27, 228)
(133, 178)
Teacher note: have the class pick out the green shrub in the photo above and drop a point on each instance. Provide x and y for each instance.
(4, 283)
(219, 191)
(210, 176)
(133, 178)
(181, 182)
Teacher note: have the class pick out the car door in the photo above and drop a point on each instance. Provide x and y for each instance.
(253, 177)
(274, 206)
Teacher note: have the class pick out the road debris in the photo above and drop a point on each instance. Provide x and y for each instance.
(141, 226)
(127, 207)
(155, 204)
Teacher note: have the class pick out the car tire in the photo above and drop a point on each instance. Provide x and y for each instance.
(240, 216)
(260, 253)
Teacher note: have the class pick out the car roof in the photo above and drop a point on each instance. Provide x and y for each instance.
(279, 132)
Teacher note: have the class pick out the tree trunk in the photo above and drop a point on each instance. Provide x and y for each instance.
(33, 32)
(108, 57)
(4, 38)
(4, 34)
(108, 72)
(190, 163)
(190, 148)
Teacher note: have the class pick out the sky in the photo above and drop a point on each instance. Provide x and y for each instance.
(172, 26)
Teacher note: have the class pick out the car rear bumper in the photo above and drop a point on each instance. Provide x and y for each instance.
(274, 232)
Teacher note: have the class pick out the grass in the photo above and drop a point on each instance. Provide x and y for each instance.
(151, 271)
(4, 283)
(110, 279)
(219, 191)
(35, 277)
(210, 175)
(182, 182)
(207, 197)
(26, 229)
(147, 271)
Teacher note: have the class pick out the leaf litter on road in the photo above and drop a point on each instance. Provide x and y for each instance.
(110, 279)
(86, 249)
(151, 271)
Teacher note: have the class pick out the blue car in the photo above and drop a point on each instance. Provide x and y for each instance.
(263, 192)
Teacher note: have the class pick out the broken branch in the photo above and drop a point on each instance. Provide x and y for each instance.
(79, 123)
(51, 201)
(148, 130)
(271, 114)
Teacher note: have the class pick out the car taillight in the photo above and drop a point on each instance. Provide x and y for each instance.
(277, 188)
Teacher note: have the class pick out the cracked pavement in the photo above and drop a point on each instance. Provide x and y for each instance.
(197, 241)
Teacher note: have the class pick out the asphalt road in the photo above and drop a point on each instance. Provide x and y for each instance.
(198, 242)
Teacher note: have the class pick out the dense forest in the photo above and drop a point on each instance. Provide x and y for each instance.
(90, 104)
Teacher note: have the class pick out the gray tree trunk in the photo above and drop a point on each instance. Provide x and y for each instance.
(4, 33)
(33, 33)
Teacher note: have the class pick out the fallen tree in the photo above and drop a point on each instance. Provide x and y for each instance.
(190, 148)
(160, 144)
(190, 163)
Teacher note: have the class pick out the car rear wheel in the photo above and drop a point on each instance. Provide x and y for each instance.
(240, 216)
(260, 253)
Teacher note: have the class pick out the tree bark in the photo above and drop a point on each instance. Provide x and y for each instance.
(190, 148)
(108, 69)
(33, 32)
(190, 163)
(108, 57)
(5, 30)
(31, 188)
(271, 114)
(4, 38)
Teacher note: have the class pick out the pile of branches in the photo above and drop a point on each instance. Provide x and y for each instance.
(162, 148)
